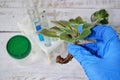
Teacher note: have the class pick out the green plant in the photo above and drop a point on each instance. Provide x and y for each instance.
(100, 14)
(68, 30)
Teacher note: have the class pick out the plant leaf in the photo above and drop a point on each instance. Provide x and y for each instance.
(79, 20)
(84, 41)
(72, 21)
(65, 24)
(85, 33)
(48, 33)
(100, 14)
(75, 26)
(57, 23)
(62, 23)
(56, 29)
(66, 37)
(86, 26)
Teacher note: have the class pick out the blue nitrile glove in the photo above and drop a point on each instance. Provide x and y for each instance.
(101, 59)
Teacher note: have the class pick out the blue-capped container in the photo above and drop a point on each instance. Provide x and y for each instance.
(33, 13)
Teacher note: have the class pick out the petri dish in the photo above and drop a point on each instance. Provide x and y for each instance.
(18, 47)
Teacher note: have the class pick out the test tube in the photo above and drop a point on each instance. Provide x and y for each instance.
(36, 23)
(45, 26)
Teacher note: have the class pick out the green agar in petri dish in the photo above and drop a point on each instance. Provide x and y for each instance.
(18, 47)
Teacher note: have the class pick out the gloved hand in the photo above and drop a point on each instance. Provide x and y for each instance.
(101, 59)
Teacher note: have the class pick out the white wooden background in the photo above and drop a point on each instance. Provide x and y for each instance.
(13, 11)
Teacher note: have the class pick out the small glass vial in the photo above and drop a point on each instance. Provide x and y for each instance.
(45, 25)
(36, 22)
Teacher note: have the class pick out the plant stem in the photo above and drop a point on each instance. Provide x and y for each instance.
(96, 22)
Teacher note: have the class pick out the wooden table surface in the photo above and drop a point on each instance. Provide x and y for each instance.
(14, 11)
